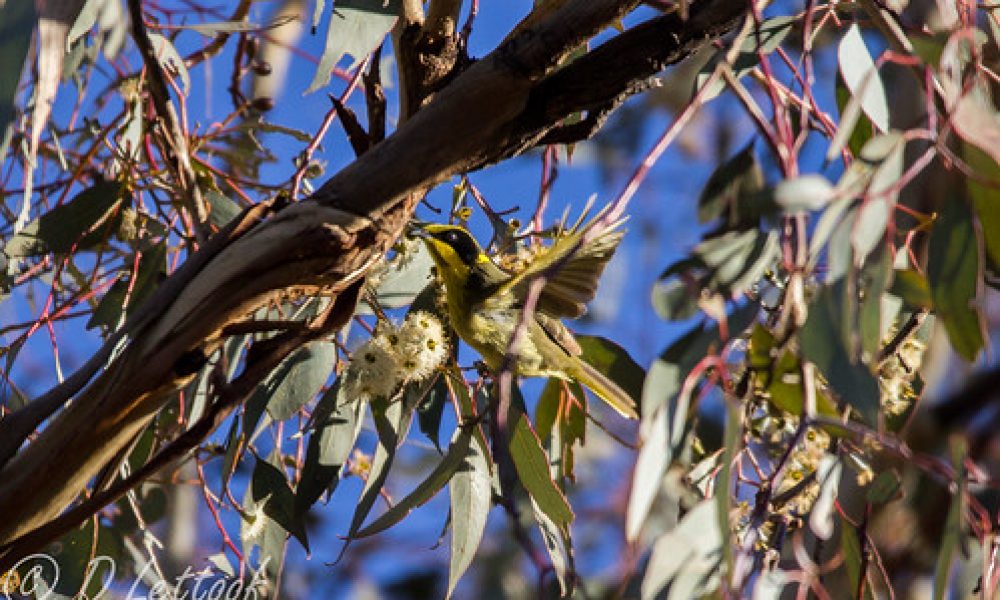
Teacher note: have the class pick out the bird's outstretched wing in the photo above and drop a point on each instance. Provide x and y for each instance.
(574, 284)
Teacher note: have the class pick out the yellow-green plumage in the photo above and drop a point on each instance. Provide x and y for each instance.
(484, 305)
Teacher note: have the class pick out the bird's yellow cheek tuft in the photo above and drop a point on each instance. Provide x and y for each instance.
(450, 267)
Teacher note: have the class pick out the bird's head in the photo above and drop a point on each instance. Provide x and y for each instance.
(453, 249)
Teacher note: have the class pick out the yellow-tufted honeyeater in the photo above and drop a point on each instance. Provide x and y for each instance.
(485, 304)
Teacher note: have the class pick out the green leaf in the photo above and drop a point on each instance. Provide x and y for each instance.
(855, 128)
(976, 120)
(730, 187)
(17, 22)
(651, 465)
(884, 489)
(404, 280)
(80, 565)
(270, 486)
(822, 343)
(732, 444)
(532, 467)
(471, 493)
(430, 397)
(828, 229)
(257, 529)
(614, 362)
(862, 78)
(952, 531)
(929, 47)
(547, 409)
(821, 517)
(211, 29)
(912, 288)
(391, 420)
(559, 547)
(737, 259)
(781, 376)
(336, 425)
(171, 61)
(152, 270)
(293, 383)
(850, 545)
(765, 40)
(453, 459)
(234, 450)
(84, 222)
(803, 193)
(985, 200)
(954, 272)
(222, 209)
(676, 298)
(662, 384)
(356, 27)
(885, 154)
(684, 562)
(874, 281)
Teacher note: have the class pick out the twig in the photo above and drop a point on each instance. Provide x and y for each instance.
(165, 110)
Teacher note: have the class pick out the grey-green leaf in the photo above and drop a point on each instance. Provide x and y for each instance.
(356, 28)
(296, 381)
(822, 343)
(17, 22)
(532, 467)
(82, 223)
(336, 425)
(171, 60)
(803, 193)
(862, 78)
(954, 271)
(471, 498)
(453, 460)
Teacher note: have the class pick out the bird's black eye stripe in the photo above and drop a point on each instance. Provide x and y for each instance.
(463, 244)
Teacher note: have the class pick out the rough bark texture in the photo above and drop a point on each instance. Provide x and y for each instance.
(496, 108)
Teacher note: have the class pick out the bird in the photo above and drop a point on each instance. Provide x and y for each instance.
(485, 303)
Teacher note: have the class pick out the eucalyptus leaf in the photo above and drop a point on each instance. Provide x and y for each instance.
(171, 60)
(17, 22)
(823, 513)
(471, 494)
(85, 221)
(391, 421)
(356, 27)
(336, 425)
(684, 562)
(952, 530)
(452, 461)
(614, 362)
(862, 78)
(803, 193)
(270, 485)
(822, 343)
(762, 40)
(661, 388)
(293, 383)
(532, 467)
(559, 547)
(954, 272)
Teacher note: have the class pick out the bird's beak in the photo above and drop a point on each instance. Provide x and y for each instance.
(418, 229)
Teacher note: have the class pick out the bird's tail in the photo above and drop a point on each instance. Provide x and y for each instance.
(605, 389)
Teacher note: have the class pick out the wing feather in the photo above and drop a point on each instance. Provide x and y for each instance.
(569, 289)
